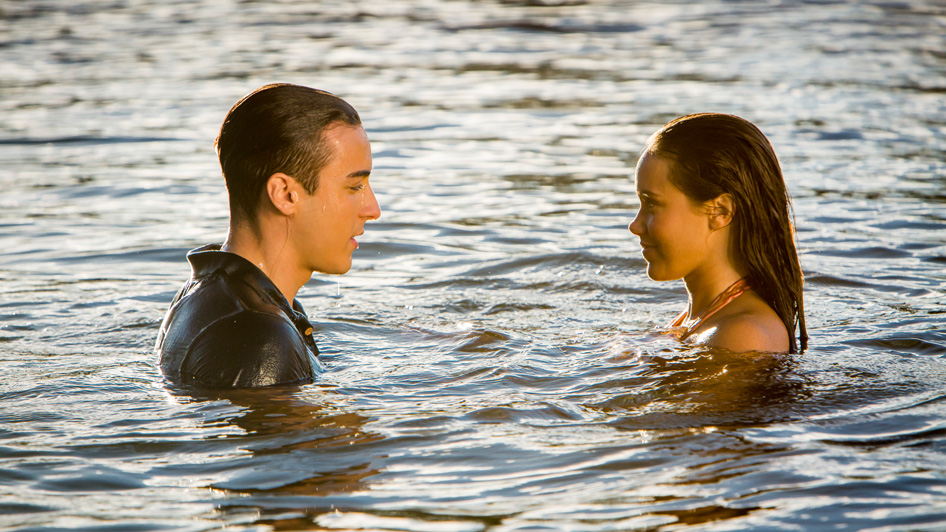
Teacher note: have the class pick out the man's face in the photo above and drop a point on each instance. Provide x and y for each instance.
(326, 222)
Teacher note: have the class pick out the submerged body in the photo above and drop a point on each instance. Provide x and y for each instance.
(296, 162)
(230, 327)
(715, 213)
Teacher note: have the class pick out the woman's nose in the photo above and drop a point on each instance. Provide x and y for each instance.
(636, 227)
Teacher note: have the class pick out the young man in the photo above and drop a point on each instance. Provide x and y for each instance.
(296, 162)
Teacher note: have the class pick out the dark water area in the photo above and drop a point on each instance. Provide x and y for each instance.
(492, 364)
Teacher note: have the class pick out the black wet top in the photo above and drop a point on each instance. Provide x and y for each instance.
(230, 327)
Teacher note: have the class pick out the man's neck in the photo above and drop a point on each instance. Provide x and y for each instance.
(268, 253)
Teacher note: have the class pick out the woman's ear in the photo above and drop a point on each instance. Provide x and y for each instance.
(721, 211)
(282, 191)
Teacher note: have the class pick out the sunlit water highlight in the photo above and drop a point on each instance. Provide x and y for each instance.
(491, 365)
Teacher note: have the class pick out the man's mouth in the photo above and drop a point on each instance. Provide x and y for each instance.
(355, 241)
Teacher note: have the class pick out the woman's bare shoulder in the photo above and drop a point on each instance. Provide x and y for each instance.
(749, 326)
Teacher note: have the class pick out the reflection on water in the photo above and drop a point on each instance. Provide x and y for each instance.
(698, 388)
(276, 423)
(490, 361)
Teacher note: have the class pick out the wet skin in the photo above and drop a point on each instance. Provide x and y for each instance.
(684, 240)
(326, 222)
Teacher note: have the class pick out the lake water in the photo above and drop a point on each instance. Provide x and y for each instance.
(490, 361)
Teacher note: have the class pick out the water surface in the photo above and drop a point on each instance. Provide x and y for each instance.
(491, 366)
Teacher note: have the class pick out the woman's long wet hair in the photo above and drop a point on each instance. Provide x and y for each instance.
(711, 154)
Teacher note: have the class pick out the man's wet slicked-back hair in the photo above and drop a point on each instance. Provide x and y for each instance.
(277, 128)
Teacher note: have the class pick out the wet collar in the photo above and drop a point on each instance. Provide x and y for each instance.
(208, 259)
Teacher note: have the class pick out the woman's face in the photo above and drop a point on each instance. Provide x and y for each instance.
(674, 233)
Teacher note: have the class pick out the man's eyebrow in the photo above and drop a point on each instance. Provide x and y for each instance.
(359, 174)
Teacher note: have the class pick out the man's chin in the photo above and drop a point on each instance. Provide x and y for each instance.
(337, 269)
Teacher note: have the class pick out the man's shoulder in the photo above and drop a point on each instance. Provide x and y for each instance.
(223, 333)
(217, 295)
(247, 349)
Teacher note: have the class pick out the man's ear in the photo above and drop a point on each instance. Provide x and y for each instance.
(283, 193)
(721, 211)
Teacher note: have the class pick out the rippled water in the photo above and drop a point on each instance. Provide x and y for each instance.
(490, 361)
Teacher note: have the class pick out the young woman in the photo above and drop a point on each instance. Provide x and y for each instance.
(715, 212)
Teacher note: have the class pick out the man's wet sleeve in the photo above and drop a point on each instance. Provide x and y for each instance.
(250, 349)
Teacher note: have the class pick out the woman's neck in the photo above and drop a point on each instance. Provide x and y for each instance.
(703, 286)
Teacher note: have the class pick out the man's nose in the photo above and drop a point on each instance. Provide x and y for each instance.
(370, 208)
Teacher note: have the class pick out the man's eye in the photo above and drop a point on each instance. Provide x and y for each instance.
(357, 187)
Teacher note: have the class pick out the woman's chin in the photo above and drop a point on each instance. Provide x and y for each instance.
(657, 274)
